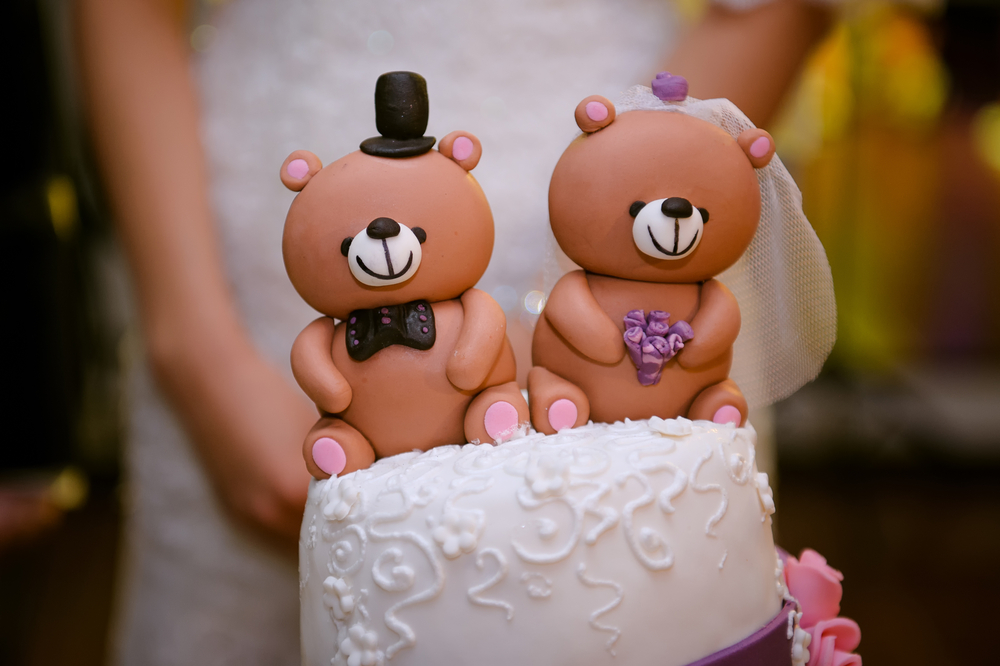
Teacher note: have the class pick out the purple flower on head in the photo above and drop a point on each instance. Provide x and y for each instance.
(651, 342)
(670, 87)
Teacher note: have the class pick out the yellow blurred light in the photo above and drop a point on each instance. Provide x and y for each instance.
(69, 490)
(834, 84)
(905, 76)
(690, 9)
(61, 197)
(986, 134)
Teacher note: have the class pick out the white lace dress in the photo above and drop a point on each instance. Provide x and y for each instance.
(280, 76)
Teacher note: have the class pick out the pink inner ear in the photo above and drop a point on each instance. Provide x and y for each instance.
(596, 111)
(298, 168)
(462, 148)
(760, 147)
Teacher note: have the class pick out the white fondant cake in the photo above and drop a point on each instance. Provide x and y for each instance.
(634, 543)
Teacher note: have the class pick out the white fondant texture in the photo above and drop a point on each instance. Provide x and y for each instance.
(632, 543)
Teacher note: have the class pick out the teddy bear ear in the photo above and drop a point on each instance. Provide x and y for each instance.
(594, 113)
(298, 168)
(758, 146)
(462, 147)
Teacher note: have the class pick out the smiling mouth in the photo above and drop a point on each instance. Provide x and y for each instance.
(388, 263)
(674, 252)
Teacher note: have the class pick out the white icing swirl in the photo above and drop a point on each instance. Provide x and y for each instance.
(619, 595)
(501, 573)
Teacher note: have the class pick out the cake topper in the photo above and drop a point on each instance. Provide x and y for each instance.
(390, 241)
(687, 205)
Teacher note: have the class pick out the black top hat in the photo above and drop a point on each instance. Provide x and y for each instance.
(400, 116)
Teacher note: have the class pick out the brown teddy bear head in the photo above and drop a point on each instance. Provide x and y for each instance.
(392, 223)
(656, 196)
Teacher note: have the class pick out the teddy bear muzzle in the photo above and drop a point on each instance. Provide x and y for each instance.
(384, 253)
(668, 228)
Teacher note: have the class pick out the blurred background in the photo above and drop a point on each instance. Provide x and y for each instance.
(888, 463)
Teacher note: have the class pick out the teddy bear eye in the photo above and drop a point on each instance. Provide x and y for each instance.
(636, 206)
(345, 245)
(420, 234)
(704, 215)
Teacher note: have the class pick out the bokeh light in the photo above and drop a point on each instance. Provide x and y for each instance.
(203, 37)
(505, 296)
(381, 42)
(534, 302)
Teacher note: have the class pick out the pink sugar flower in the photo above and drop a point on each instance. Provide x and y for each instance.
(833, 642)
(816, 586)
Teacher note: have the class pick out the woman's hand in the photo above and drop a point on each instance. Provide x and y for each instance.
(248, 423)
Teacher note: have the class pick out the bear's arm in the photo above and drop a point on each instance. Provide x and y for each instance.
(576, 315)
(315, 371)
(484, 329)
(716, 325)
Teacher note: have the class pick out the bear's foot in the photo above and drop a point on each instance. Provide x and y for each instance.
(556, 403)
(334, 448)
(496, 414)
(721, 403)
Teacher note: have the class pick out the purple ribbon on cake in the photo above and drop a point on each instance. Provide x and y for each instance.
(769, 646)
(652, 341)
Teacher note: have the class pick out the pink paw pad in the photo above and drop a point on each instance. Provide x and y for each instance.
(329, 456)
(726, 415)
(500, 420)
(462, 148)
(562, 414)
(298, 168)
(760, 147)
(596, 111)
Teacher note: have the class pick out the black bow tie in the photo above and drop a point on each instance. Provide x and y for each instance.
(371, 331)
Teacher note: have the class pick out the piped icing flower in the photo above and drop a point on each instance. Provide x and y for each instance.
(341, 496)
(456, 534)
(816, 586)
(678, 427)
(765, 494)
(651, 342)
(360, 647)
(801, 639)
(548, 476)
(337, 597)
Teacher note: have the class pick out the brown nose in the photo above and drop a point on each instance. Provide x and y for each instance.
(677, 207)
(385, 227)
